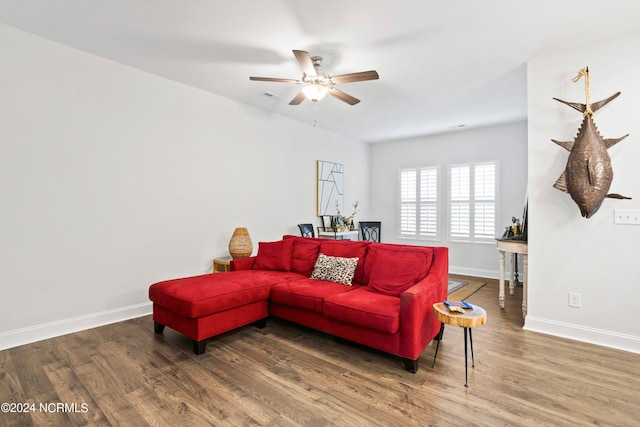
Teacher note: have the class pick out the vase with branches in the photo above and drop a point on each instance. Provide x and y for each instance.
(348, 220)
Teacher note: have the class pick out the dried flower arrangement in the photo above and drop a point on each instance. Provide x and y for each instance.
(348, 220)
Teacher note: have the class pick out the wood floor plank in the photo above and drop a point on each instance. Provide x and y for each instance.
(9, 382)
(262, 387)
(224, 398)
(37, 387)
(166, 404)
(108, 395)
(326, 382)
(81, 408)
(11, 392)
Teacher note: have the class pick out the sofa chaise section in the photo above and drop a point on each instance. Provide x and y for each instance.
(204, 306)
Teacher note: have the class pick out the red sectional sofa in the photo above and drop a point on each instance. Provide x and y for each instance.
(385, 302)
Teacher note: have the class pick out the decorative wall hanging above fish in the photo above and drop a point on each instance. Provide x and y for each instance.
(588, 174)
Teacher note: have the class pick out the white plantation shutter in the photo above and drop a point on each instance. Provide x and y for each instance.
(472, 190)
(408, 209)
(419, 203)
(472, 203)
(485, 200)
(484, 220)
(428, 202)
(459, 209)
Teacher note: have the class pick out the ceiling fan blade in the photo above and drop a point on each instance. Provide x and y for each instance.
(337, 93)
(305, 62)
(272, 79)
(297, 99)
(355, 77)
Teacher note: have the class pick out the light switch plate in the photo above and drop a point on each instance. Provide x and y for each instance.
(626, 216)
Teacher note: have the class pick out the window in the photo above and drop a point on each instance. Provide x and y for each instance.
(472, 201)
(419, 203)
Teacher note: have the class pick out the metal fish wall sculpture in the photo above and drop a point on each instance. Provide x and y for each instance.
(588, 174)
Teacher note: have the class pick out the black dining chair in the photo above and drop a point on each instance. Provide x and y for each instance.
(370, 230)
(306, 230)
(328, 222)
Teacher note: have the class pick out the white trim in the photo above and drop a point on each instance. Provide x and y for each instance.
(476, 272)
(584, 334)
(57, 328)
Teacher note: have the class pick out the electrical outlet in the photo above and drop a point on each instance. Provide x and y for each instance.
(575, 300)
(626, 216)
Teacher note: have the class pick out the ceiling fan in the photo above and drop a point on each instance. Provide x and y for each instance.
(317, 82)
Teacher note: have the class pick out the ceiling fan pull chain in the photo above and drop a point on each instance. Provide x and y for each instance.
(315, 113)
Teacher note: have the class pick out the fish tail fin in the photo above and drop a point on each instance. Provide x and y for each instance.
(597, 105)
(561, 182)
(610, 142)
(567, 145)
(576, 105)
(617, 196)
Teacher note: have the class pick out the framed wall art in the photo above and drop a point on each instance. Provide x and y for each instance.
(330, 187)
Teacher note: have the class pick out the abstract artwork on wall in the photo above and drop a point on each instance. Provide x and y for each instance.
(330, 187)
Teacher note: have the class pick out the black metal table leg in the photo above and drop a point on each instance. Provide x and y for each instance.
(473, 362)
(466, 374)
(438, 345)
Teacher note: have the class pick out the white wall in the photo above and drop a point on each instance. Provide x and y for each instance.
(112, 179)
(568, 253)
(506, 143)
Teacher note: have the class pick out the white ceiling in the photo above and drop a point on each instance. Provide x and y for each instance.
(442, 64)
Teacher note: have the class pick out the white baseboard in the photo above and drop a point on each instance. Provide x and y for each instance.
(57, 328)
(477, 272)
(600, 337)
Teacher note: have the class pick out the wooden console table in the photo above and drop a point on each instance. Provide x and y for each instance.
(514, 247)
(339, 235)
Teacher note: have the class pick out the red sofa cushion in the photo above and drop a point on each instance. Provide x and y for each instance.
(274, 256)
(362, 308)
(393, 269)
(210, 293)
(347, 249)
(242, 263)
(306, 294)
(304, 255)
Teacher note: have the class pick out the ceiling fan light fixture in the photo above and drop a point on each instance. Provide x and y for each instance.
(315, 92)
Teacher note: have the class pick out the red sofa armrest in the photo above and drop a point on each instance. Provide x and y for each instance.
(242, 263)
(418, 326)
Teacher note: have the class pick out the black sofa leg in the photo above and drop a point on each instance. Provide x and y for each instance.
(158, 328)
(199, 346)
(411, 365)
(260, 323)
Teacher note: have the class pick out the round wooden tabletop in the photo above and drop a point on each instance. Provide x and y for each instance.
(468, 319)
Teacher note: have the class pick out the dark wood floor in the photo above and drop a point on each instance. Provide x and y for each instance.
(286, 375)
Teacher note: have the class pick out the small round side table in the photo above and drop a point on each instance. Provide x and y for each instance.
(466, 320)
(221, 264)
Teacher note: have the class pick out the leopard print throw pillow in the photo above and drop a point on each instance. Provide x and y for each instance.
(334, 269)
